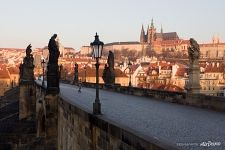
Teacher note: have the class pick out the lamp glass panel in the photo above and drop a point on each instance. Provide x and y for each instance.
(95, 49)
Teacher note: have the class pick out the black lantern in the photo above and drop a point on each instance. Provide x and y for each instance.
(43, 70)
(97, 47)
(129, 66)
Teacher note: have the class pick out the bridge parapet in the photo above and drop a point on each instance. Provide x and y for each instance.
(198, 100)
(80, 129)
(46, 115)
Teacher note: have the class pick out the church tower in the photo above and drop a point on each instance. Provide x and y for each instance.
(146, 36)
(142, 36)
(161, 29)
(151, 33)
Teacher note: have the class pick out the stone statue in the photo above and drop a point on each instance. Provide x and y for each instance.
(76, 73)
(53, 73)
(193, 50)
(28, 59)
(27, 68)
(110, 60)
(108, 72)
(193, 86)
(53, 50)
(28, 50)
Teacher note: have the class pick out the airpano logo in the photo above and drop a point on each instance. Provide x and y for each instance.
(210, 143)
(202, 144)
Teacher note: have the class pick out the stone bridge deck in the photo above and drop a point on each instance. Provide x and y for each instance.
(178, 125)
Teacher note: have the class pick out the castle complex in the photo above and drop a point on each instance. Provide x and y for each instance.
(162, 41)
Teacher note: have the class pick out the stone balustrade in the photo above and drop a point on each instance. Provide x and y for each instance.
(200, 100)
(80, 129)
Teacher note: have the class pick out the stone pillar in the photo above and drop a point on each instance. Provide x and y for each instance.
(51, 97)
(51, 122)
(27, 92)
(26, 100)
(194, 78)
(53, 78)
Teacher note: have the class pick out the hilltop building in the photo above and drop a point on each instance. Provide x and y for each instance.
(149, 40)
(162, 41)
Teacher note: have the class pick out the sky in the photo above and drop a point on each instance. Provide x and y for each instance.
(76, 21)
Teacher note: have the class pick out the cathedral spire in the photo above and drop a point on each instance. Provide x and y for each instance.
(161, 29)
(152, 24)
(142, 36)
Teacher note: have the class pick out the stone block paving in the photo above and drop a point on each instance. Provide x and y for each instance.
(183, 126)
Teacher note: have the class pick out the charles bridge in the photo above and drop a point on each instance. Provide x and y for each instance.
(131, 118)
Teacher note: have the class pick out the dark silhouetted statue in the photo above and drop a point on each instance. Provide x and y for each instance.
(110, 60)
(76, 73)
(53, 73)
(53, 50)
(27, 68)
(108, 72)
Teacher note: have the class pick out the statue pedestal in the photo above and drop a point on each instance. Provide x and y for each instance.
(193, 86)
(53, 79)
(27, 92)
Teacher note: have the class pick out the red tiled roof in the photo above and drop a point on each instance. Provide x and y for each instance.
(13, 70)
(91, 72)
(166, 67)
(4, 74)
(167, 87)
(181, 71)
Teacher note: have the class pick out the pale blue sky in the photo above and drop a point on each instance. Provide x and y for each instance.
(76, 21)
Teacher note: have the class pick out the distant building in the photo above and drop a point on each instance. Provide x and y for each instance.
(89, 75)
(5, 83)
(151, 40)
(160, 41)
(85, 50)
(14, 76)
(214, 50)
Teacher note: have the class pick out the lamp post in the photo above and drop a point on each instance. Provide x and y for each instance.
(129, 66)
(85, 73)
(60, 71)
(43, 71)
(97, 47)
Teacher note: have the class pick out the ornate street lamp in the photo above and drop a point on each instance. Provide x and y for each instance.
(60, 71)
(97, 47)
(129, 66)
(85, 73)
(43, 70)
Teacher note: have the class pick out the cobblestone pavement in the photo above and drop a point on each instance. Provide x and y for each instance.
(184, 126)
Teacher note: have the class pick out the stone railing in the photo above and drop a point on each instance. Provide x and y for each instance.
(200, 100)
(80, 129)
